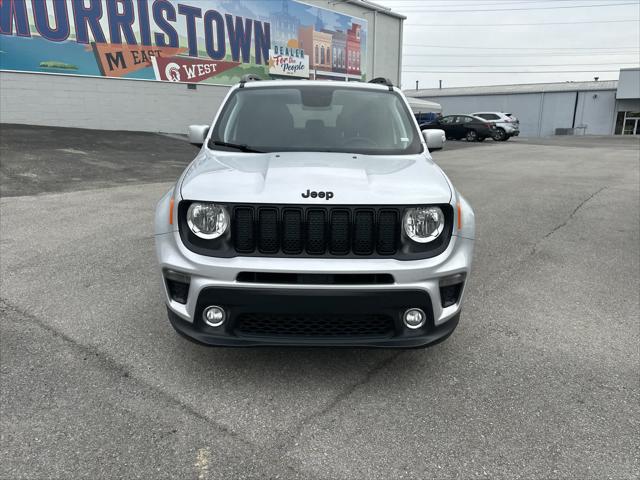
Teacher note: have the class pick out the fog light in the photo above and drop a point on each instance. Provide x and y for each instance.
(214, 316)
(414, 318)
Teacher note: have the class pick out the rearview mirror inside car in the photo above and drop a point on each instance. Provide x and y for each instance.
(198, 134)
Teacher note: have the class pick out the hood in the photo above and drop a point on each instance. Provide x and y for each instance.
(293, 177)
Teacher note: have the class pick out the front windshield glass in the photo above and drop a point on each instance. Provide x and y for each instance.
(319, 119)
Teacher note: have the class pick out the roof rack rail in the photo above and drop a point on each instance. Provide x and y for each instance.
(249, 77)
(383, 81)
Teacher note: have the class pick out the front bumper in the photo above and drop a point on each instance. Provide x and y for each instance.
(215, 281)
(366, 319)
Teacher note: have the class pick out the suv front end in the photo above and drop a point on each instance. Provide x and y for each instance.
(326, 248)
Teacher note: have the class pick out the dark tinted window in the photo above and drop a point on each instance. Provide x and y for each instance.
(489, 116)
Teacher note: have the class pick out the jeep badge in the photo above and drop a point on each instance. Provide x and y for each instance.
(314, 194)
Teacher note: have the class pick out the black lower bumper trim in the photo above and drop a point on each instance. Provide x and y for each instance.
(322, 317)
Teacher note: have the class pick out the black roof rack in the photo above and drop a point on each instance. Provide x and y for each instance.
(382, 81)
(249, 77)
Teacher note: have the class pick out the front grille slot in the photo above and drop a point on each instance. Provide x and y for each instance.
(340, 232)
(268, 239)
(243, 229)
(388, 232)
(363, 238)
(316, 232)
(314, 325)
(292, 233)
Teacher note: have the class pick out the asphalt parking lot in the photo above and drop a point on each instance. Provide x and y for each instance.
(540, 380)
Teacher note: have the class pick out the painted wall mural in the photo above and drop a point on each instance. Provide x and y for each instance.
(194, 41)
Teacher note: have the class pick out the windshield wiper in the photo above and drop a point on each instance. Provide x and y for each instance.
(241, 147)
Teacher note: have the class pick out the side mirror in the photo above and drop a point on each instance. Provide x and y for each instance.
(198, 133)
(435, 139)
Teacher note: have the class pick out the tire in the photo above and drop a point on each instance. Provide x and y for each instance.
(500, 135)
(481, 139)
(471, 136)
(507, 137)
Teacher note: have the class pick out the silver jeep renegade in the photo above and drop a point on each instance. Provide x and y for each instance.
(314, 215)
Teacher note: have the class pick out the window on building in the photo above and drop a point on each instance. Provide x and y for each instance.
(322, 58)
(317, 56)
(628, 123)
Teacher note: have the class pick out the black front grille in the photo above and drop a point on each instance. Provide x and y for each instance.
(314, 325)
(316, 231)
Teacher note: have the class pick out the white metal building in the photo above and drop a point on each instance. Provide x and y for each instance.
(67, 100)
(590, 108)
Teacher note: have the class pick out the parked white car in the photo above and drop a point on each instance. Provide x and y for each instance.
(507, 124)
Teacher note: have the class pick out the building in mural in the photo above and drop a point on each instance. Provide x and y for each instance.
(338, 52)
(354, 46)
(284, 26)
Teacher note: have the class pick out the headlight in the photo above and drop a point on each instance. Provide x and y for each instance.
(207, 220)
(423, 224)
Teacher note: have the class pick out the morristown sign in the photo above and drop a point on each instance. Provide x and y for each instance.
(195, 41)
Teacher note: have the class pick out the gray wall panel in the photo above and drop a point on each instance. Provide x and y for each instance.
(557, 112)
(628, 105)
(629, 84)
(596, 111)
(108, 104)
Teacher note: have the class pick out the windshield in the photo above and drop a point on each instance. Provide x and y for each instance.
(312, 118)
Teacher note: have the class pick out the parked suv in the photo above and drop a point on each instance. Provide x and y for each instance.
(507, 125)
(314, 215)
(473, 129)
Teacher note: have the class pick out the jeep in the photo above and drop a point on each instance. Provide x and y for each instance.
(313, 214)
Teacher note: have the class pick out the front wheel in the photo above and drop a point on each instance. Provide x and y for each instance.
(471, 136)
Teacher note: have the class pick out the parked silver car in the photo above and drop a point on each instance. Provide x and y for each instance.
(507, 124)
(314, 215)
